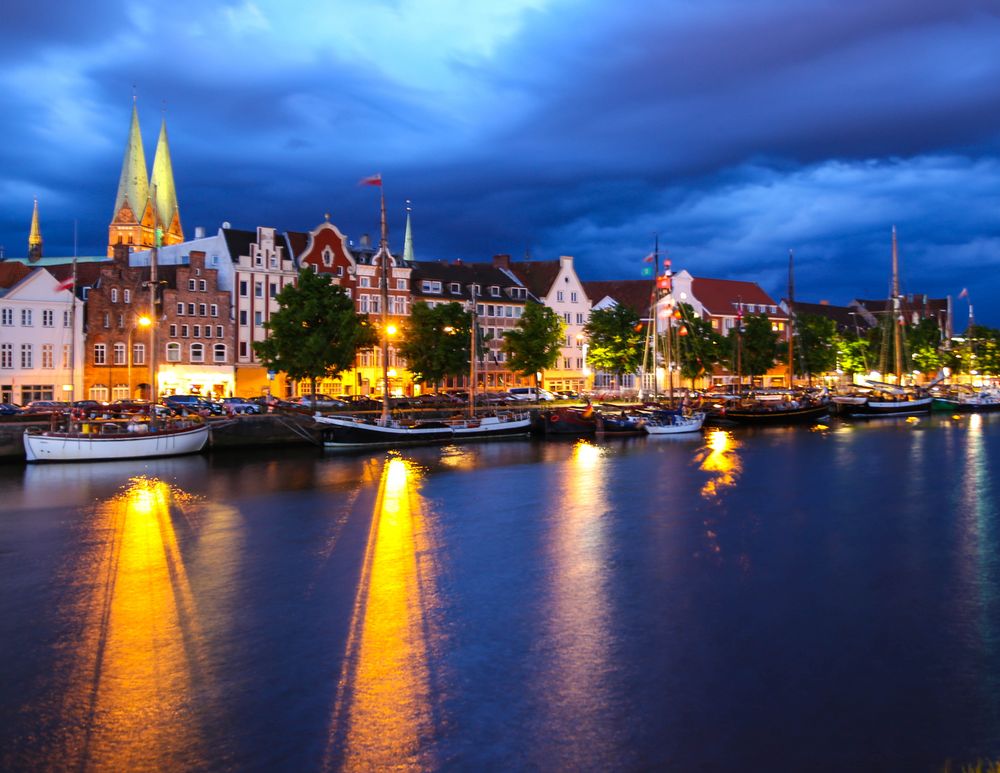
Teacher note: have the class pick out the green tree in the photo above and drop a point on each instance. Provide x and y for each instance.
(699, 347)
(854, 354)
(924, 343)
(757, 347)
(534, 344)
(435, 342)
(815, 345)
(616, 340)
(315, 332)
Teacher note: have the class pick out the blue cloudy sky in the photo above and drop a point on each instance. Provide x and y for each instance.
(735, 130)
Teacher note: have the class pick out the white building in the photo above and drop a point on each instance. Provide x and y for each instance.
(41, 338)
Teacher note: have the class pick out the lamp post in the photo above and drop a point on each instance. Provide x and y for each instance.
(143, 322)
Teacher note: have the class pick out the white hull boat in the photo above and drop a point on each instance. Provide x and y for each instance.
(51, 446)
(349, 432)
(677, 425)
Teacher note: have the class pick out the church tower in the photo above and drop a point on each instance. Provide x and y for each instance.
(132, 221)
(35, 237)
(163, 192)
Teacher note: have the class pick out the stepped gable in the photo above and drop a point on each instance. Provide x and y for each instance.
(719, 296)
(635, 294)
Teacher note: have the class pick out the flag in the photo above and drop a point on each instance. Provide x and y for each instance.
(375, 179)
(964, 293)
(588, 411)
(650, 258)
(647, 270)
(64, 285)
(638, 327)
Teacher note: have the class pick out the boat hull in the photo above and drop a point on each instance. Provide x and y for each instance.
(347, 433)
(774, 417)
(565, 422)
(65, 447)
(876, 408)
(680, 425)
(965, 406)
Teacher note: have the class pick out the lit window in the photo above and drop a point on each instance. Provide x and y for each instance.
(173, 352)
(197, 352)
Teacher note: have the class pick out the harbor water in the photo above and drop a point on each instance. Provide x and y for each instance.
(779, 599)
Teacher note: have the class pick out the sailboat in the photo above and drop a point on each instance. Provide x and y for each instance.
(355, 432)
(105, 439)
(888, 399)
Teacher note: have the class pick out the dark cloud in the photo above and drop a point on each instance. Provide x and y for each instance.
(733, 130)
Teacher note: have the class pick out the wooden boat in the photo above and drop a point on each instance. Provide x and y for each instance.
(346, 432)
(885, 405)
(620, 424)
(670, 423)
(104, 440)
(770, 413)
(981, 401)
(567, 422)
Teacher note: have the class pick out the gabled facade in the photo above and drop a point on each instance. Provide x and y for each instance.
(41, 341)
(555, 283)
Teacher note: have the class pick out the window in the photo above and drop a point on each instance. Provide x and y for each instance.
(27, 356)
(364, 281)
(98, 392)
(197, 332)
(566, 363)
(26, 318)
(214, 309)
(508, 311)
(180, 309)
(6, 355)
(219, 353)
(190, 310)
(579, 318)
(202, 285)
(560, 295)
(127, 296)
(479, 309)
(579, 363)
(208, 331)
(572, 297)
(191, 285)
(455, 288)
(327, 257)
(400, 284)
(475, 290)
(258, 319)
(173, 331)
(243, 349)
(243, 317)
(495, 291)
(65, 357)
(566, 316)
(258, 289)
(430, 287)
(340, 271)
(100, 354)
(67, 316)
(243, 288)
(121, 321)
(218, 331)
(138, 354)
(114, 295)
(202, 310)
(363, 304)
(273, 290)
(47, 318)
(173, 352)
(185, 330)
(120, 392)
(6, 317)
(119, 354)
(197, 352)
(376, 306)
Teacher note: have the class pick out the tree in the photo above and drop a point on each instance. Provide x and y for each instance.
(758, 348)
(815, 344)
(853, 354)
(700, 347)
(315, 332)
(534, 344)
(436, 342)
(924, 341)
(616, 340)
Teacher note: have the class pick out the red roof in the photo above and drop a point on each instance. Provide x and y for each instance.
(12, 272)
(721, 297)
(635, 294)
(537, 275)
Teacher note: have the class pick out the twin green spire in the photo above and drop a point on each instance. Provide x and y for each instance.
(134, 187)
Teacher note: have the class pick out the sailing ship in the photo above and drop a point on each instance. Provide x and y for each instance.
(673, 423)
(355, 432)
(888, 399)
(135, 438)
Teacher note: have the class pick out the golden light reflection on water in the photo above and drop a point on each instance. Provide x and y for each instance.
(385, 698)
(719, 459)
(574, 690)
(128, 702)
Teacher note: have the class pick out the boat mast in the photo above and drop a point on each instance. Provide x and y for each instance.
(472, 352)
(383, 257)
(154, 387)
(72, 329)
(896, 312)
(791, 319)
(668, 282)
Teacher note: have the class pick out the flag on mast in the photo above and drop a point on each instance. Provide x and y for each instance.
(66, 284)
(375, 179)
(964, 293)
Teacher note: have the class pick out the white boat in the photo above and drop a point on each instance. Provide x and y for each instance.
(675, 425)
(112, 440)
(345, 432)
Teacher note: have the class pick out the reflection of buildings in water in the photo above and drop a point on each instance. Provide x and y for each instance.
(129, 701)
(386, 697)
(576, 615)
(720, 459)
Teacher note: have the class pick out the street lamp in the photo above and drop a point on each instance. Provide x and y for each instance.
(143, 322)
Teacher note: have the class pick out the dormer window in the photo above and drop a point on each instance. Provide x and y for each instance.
(429, 286)
(494, 291)
(475, 289)
(455, 288)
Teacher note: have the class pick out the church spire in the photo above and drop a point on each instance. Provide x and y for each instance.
(162, 183)
(35, 237)
(133, 185)
(408, 238)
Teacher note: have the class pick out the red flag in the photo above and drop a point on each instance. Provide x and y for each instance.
(964, 293)
(666, 263)
(64, 285)
(375, 179)
(650, 258)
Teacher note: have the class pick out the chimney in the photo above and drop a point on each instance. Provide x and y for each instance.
(501, 261)
(366, 241)
(120, 254)
(199, 232)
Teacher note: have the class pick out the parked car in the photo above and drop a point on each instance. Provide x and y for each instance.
(321, 402)
(531, 394)
(240, 405)
(567, 394)
(361, 402)
(9, 409)
(493, 398)
(45, 406)
(193, 404)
